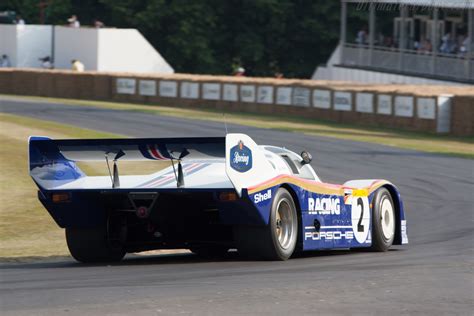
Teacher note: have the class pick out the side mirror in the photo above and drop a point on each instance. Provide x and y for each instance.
(307, 158)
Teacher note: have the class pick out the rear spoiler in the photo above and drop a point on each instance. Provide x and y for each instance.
(132, 148)
(52, 163)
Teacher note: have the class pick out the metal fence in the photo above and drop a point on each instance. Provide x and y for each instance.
(410, 62)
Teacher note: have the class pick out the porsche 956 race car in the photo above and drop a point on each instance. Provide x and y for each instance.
(216, 194)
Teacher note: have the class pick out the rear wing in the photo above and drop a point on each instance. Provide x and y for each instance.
(52, 163)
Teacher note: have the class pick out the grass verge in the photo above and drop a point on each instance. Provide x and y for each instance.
(440, 144)
(26, 229)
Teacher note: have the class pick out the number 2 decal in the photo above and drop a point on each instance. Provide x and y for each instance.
(360, 218)
(360, 226)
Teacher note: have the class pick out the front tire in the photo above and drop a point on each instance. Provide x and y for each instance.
(277, 240)
(90, 245)
(383, 221)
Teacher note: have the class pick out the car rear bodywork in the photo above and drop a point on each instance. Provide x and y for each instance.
(212, 186)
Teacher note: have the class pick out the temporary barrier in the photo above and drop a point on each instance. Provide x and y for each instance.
(448, 110)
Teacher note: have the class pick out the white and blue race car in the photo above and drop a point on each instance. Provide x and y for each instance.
(216, 194)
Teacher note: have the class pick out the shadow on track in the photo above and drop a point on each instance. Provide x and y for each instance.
(170, 259)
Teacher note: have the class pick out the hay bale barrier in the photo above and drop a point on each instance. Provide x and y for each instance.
(433, 109)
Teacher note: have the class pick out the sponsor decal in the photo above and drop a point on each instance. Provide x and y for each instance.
(284, 95)
(365, 102)
(147, 87)
(426, 108)
(384, 104)
(329, 235)
(265, 94)
(404, 232)
(189, 90)
(230, 92)
(301, 96)
(247, 93)
(259, 197)
(168, 89)
(126, 86)
(404, 106)
(240, 157)
(342, 101)
(211, 91)
(324, 206)
(322, 99)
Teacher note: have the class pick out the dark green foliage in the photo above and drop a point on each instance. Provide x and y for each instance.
(214, 36)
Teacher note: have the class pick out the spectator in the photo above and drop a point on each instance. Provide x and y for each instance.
(19, 20)
(380, 39)
(388, 42)
(46, 63)
(464, 47)
(361, 38)
(98, 24)
(447, 44)
(77, 65)
(417, 45)
(278, 75)
(73, 21)
(240, 72)
(5, 61)
(424, 46)
(428, 46)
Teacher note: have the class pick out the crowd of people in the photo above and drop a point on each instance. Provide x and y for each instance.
(72, 21)
(46, 63)
(449, 44)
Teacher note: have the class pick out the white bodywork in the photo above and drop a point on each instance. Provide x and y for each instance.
(269, 162)
(200, 173)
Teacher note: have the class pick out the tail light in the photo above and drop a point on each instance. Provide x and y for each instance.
(228, 196)
(60, 197)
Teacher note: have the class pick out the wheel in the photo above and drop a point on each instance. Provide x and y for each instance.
(210, 251)
(383, 221)
(90, 246)
(277, 240)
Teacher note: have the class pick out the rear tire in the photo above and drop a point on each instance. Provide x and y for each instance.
(275, 241)
(383, 221)
(90, 245)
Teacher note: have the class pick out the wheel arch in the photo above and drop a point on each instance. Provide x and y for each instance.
(399, 213)
(296, 200)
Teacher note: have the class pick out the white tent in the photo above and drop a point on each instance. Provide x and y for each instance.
(105, 49)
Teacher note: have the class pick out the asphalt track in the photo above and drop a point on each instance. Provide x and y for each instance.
(432, 275)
